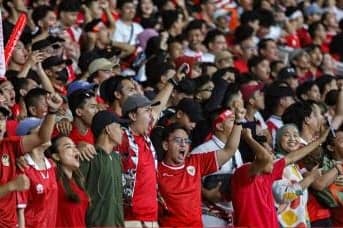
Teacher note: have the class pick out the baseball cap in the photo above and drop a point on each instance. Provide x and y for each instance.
(313, 9)
(26, 125)
(248, 90)
(55, 61)
(102, 119)
(100, 64)
(191, 108)
(80, 84)
(286, 73)
(136, 101)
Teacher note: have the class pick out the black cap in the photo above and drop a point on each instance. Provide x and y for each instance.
(191, 108)
(186, 86)
(286, 73)
(55, 61)
(102, 119)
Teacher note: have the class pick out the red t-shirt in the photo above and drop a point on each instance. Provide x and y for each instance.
(241, 66)
(252, 197)
(315, 210)
(71, 214)
(77, 137)
(9, 149)
(40, 201)
(180, 188)
(144, 202)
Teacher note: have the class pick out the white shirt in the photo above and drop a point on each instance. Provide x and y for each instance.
(126, 33)
(202, 56)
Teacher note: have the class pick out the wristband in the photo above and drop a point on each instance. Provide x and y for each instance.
(173, 81)
(52, 112)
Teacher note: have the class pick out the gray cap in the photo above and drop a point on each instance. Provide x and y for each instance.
(136, 101)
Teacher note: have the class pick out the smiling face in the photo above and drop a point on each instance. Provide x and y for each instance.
(289, 140)
(177, 146)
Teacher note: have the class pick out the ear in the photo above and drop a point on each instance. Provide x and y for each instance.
(78, 112)
(330, 148)
(179, 114)
(219, 127)
(56, 157)
(165, 145)
(40, 23)
(117, 95)
(132, 116)
(33, 110)
(251, 101)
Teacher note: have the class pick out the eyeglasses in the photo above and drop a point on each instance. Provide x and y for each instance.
(179, 140)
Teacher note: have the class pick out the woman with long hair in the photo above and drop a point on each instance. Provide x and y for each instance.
(73, 200)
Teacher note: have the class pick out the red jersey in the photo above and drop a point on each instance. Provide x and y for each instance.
(252, 196)
(77, 137)
(315, 210)
(292, 40)
(144, 202)
(40, 201)
(9, 149)
(241, 66)
(11, 127)
(180, 187)
(71, 214)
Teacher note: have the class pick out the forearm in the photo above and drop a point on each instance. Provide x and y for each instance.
(47, 127)
(299, 154)
(46, 83)
(325, 180)
(259, 150)
(6, 188)
(25, 70)
(231, 145)
(307, 181)
(126, 48)
(162, 97)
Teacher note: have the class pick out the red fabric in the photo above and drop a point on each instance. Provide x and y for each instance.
(144, 202)
(241, 65)
(11, 127)
(71, 214)
(15, 111)
(292, 40)
(9, 148)
(77, 137)
(336, 216)
(40, 201)
(252, 196)
(180, 187)
(104, 17)
(315, 210)
(304, 37)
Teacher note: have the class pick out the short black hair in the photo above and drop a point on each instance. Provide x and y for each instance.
(266, 18)
(248, 16)
(323, 81)
(331, 97)
(69, 6)
(313, 28)
(304, 88)
(194, 25)
(40, 13)
(263, 44)
(297, 113)
(121, 3)
(109, 86)
(78, 99)
(242, 33)
(171, 129)
(169, 17)
(31, 98)
(254, 61)
(211, 36)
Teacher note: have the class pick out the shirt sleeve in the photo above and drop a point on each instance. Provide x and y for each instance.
(208, 163)
(278, 167)
(22, 199)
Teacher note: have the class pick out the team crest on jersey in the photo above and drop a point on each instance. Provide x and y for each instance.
(191, 170)
(39, 188)
(5, 160)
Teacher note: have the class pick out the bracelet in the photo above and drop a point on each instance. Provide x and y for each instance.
(238, 123)
(173, 81)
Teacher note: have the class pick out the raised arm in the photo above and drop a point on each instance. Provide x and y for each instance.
(299, 154)
(44, 134)
(231, 145)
